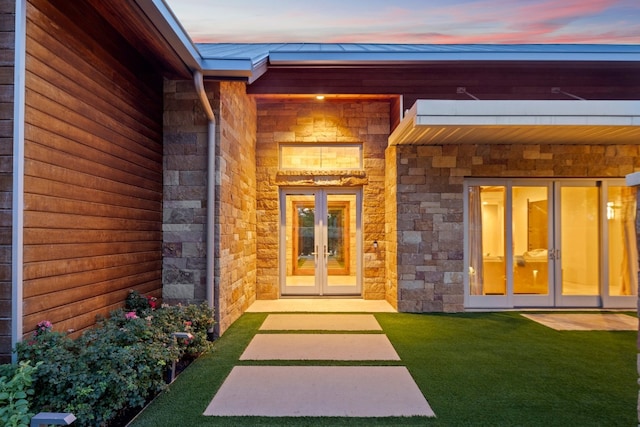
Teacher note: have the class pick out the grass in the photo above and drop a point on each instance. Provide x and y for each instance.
(476, 369)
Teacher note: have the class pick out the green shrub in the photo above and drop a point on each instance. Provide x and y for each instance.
(142, 305)
(15, 392)
(116, 366)
(195, 319)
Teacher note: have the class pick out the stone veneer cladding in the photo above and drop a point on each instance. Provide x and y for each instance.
(365, 122)
(391, 226)
(185, 192)
(430, 206)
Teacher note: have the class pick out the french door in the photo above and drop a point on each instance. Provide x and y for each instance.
(565, 243)
(320, 242)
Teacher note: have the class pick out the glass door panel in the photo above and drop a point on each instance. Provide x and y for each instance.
(530, 224)
(342, 244)
(320, 242)
(486, 242)
(300, 241)
(621, 247)
(578, 245)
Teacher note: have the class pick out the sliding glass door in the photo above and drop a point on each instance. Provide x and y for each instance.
(535, 243)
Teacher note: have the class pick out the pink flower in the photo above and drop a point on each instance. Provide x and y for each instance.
(130, 315)
(45, 324)
(42, 327)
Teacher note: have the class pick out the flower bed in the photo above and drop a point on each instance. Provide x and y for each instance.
(116, 366)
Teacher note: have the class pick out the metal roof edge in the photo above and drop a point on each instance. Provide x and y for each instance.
(512, 108)
(166, 22)
(378, 58)
(234, 68)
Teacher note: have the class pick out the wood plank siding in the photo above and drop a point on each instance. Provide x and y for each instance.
(93, 168)
(7, 27)
(440, 81)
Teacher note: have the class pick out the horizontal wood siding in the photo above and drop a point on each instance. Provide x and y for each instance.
(93, 168)
(7, 27)
(440, 81)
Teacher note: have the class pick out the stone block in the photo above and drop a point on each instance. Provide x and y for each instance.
(411, 237)
(444, 162)
(411, 284)
(172, 249)
(431, 306)
(178, 291)
(410, 306)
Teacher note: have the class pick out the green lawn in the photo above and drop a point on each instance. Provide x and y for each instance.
(475, 369)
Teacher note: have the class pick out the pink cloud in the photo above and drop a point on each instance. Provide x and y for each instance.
(484, 21)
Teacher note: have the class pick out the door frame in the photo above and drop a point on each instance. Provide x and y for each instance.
(321, 206)
(524, 301)
(582, 301)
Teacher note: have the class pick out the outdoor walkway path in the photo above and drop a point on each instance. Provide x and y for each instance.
(315, 390)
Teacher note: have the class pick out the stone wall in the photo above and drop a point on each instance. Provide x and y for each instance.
(185, 192)
(430, 205)
(185, 198)
(391, 226)
(236, 197)
(365, 122)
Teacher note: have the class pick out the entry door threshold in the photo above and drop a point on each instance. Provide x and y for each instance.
(321, 305)
(321, 297)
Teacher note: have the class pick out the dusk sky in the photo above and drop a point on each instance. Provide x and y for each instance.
(410, 21)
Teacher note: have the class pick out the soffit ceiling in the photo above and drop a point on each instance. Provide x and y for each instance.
(519, 122)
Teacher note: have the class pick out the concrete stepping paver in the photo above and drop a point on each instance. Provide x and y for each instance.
(586, 321)
(320, 322)
(320, 347)
(321, 391)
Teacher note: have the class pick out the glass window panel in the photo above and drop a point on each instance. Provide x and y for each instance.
(487, 266)
(530, 219)
(579, 240)
(320, 157)
(300, 235)
(341, 240)
(623, 252)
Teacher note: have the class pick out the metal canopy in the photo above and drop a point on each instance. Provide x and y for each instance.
(519, 122)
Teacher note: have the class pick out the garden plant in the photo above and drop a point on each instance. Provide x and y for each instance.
(115, 368)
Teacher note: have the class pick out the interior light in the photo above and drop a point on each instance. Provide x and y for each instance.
(319, 97)
(611, 213)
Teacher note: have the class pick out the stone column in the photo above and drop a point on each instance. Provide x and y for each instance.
(633, 180)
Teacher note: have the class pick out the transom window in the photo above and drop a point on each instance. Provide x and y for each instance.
(320, 157)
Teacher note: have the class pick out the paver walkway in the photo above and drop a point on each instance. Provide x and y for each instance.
(585, 321)
(346, 391)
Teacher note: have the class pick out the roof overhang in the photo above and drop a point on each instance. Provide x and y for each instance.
(364, 58)
(251, 60)
(431, 122)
